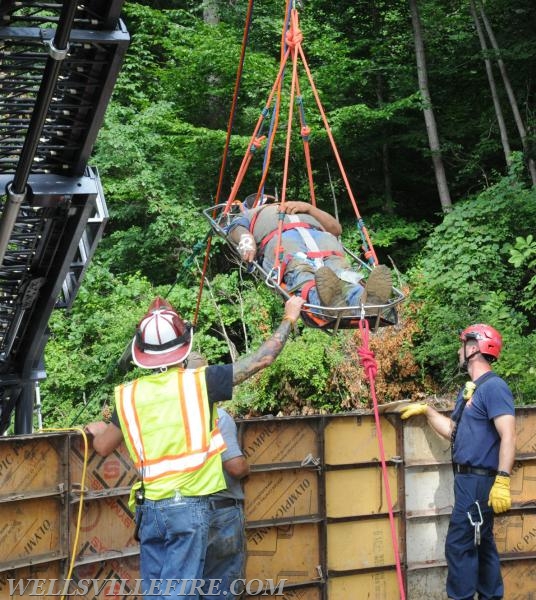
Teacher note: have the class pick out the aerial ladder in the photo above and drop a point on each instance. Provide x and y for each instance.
(59, 62)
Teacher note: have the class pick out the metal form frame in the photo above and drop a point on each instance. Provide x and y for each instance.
(59, 62)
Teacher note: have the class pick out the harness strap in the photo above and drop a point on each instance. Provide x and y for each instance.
(306, 288)
(286, 227)
(308, 240)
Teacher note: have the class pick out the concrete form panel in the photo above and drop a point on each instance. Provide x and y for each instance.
(353, 439)
(31, 531)
(422, 446)
(28, 582)
(425, 539)
(290, 552)
(272, 441)
(515, 533)
(429, 489)
(114, 471)
(107, 526)
(355, 492)
(519, 579)
(360, 544)
(281, 494)
(380, 585)
(525, 431)
(117, 578)
(306, 593)
(427, 584)
(21, 466)
(523, 483)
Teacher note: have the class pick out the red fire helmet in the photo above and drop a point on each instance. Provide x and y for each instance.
(489, 339)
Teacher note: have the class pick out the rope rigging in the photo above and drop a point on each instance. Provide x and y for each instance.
(263, 136)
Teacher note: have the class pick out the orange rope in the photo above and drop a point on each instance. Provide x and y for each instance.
(230, 122)
(336, 152)
(247, 157)
(293, 38)
(367, 360)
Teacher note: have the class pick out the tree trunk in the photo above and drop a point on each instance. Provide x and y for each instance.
(429, 117)
(211, 12)
(493, 88)
(510, 92)
(388, 204)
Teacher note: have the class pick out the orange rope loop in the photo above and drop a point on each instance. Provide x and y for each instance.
(257, 143)
(294, 37)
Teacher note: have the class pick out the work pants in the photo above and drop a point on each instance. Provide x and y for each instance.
(472, 569)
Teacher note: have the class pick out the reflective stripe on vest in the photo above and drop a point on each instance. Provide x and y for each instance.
(195, 442)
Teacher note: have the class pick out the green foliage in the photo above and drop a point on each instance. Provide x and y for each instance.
(301, 379)
(465, 275)
(523, 255)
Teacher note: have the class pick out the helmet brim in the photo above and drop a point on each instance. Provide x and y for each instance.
(156, 360)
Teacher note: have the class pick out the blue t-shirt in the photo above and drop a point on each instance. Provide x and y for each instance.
(228, 430)
(477, 442)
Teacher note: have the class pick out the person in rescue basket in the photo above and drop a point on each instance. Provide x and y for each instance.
(166, 421)
(226, 549)
(314, 262)
(482, 434)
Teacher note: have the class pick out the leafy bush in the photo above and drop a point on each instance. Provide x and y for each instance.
(464, 275)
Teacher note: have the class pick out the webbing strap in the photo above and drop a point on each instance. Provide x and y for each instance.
(307, 288)
(296, 225)
(308, 240)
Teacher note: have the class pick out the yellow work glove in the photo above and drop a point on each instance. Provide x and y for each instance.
(413, 410)
(499, 495)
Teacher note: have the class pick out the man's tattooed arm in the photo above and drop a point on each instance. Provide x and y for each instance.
(269, 351)
(264, 356)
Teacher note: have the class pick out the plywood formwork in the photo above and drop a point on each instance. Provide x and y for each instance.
(380, 585)
(316, 509)
(26, 581)
(282, 494)
(285, 552)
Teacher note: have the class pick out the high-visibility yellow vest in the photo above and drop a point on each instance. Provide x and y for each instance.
(167, 427)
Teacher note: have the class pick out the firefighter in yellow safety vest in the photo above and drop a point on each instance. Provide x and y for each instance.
(168, 422)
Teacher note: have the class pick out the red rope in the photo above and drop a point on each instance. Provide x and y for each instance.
(367, 360)
(238, 79)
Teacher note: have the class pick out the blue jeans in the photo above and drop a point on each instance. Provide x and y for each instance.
(471, 568)
(173, 541)
(226, 552)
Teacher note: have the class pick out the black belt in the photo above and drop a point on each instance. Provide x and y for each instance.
(467, 469)
(225, 503)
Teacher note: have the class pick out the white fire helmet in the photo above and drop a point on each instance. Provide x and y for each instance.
(162, 337)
